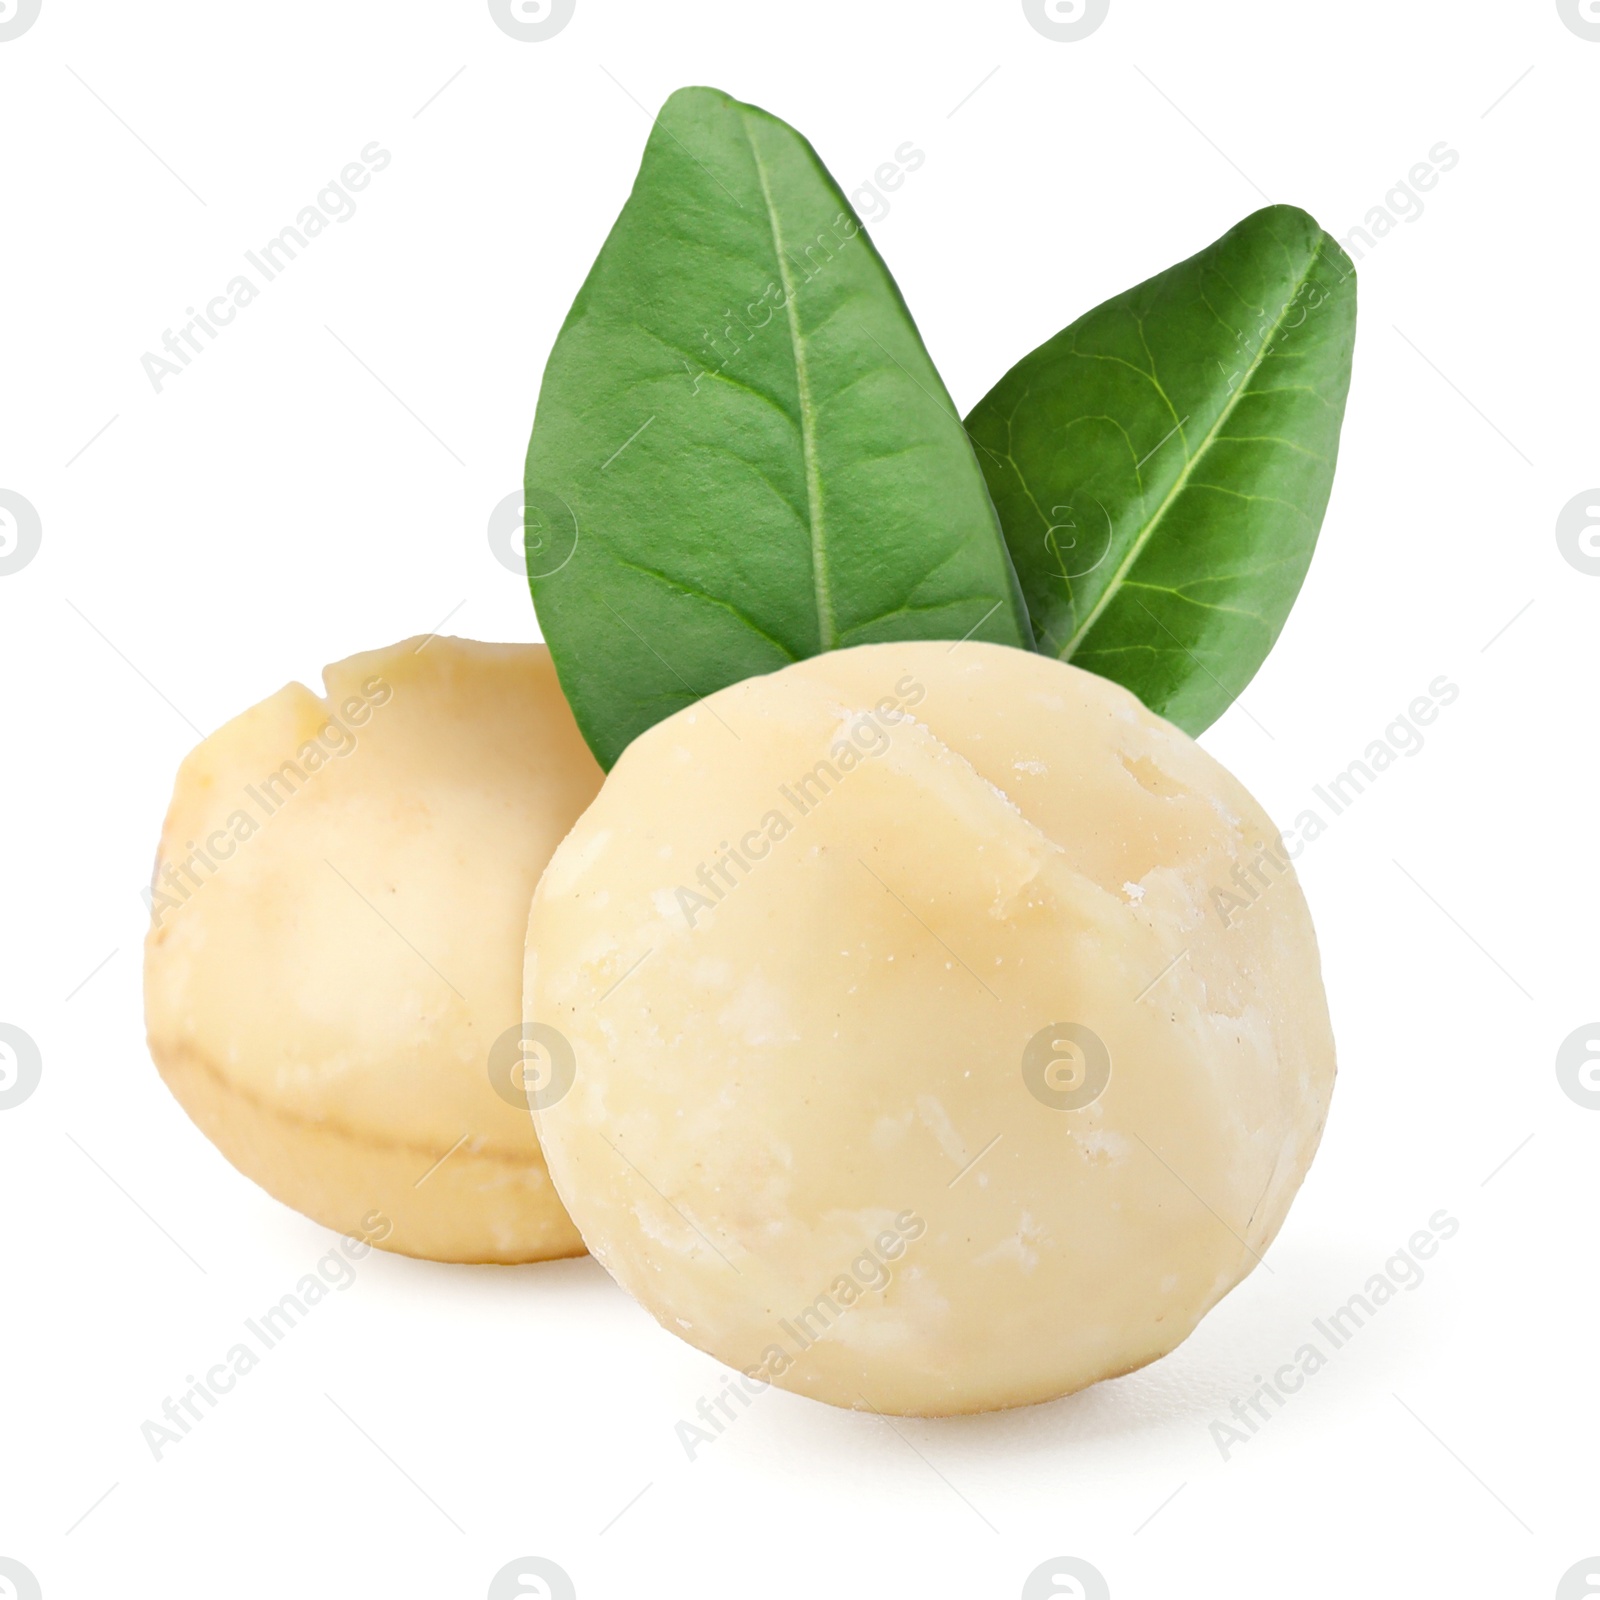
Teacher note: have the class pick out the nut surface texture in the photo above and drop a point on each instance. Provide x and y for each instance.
(336, 937)
(931, 1054)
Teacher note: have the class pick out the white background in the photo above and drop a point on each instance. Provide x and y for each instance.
(275, 508)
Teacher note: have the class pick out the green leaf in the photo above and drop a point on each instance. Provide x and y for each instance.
(743, 454)
(1162, 465)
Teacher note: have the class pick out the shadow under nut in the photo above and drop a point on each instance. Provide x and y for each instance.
(477, 1204)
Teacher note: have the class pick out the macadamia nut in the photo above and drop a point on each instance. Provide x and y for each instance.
(335, 947)
(916, 1067)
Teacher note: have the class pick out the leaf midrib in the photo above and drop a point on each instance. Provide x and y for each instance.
(1114, 587)
(827, 632)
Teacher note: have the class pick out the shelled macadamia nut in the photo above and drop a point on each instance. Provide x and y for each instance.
(923, 1056)
(333, 968)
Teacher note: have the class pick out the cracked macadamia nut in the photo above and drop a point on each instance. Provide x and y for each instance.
(336, 936)
(916, 1067)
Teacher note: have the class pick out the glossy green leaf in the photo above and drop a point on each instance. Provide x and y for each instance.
(743, 454)
(1161, 466)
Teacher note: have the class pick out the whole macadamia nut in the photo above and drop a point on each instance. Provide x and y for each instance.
(927, 1055)
(333, 968)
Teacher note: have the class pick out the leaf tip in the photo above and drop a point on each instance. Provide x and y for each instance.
(1298, 229)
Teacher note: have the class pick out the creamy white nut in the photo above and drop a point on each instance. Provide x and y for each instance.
(917, 1067)
(336, 941)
